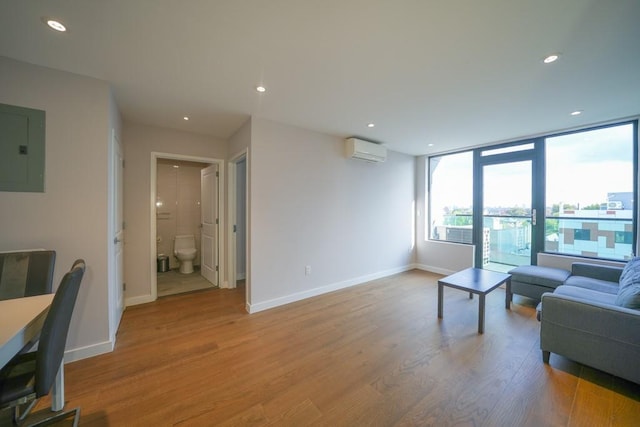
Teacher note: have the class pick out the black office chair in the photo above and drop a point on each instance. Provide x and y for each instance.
(30, 376)
(26, 273)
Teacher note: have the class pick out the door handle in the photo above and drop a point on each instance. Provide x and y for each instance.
(116, 240)
(533, 216)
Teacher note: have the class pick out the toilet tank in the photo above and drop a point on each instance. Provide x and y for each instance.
(187, 241)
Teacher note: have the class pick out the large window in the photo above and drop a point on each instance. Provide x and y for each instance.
(589, 200)
(451, 198)
(583, 191)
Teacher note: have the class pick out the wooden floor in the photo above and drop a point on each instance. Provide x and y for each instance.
(371, 355)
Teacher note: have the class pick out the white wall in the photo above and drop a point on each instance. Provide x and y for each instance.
(241, 140)
(70, 217)
(139, 142)
(350, 221)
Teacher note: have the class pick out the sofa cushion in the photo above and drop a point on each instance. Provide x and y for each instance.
(586, 294)
(536, 275)
(629, 293)
(591, 283)
(607, 273)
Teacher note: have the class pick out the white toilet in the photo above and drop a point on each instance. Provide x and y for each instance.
(184, 248)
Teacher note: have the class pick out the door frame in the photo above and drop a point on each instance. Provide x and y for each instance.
(232, 191)
(535, 155)
(116, 308)
(153, 248)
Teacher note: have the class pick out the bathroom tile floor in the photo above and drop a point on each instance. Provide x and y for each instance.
(173, 282)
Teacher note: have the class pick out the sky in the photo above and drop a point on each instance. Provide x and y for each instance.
(581, 168)
(584, 167)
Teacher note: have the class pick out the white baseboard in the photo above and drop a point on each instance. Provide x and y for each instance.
(276, 302)
(142, 299)
(433, 269)
(88, 351)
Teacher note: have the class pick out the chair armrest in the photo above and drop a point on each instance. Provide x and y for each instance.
(605, 320)
(595, 271)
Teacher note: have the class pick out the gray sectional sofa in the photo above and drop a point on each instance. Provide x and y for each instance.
(532, 280)
(594, 318)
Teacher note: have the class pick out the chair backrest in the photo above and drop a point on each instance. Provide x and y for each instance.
(26, 273)
(53, 336)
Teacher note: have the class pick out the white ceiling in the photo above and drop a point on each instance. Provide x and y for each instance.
(451, 73)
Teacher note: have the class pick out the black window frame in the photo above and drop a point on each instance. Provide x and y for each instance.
(537, 153)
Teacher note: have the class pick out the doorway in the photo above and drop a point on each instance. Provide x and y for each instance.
(116, 234)
(187, 203)
(238, 242)
(505, 193)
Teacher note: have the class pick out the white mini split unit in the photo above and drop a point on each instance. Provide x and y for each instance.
(365, 150)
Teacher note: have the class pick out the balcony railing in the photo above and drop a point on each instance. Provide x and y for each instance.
(507, 238)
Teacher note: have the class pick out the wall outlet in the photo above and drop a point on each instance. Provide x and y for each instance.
(307, 270)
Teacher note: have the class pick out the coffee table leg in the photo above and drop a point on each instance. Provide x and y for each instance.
(509, 296)
(481, 315)
(440, 300)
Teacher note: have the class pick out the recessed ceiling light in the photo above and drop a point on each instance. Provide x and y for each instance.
(370, 125)
(576, 113)
(551, 58)
(55, 25)
(429, 145)
(261, 89)
(186, 118)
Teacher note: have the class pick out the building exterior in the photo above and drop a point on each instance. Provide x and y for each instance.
(603, 233)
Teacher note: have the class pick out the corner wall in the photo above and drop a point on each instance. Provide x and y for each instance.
(70, 217)
(349, 221)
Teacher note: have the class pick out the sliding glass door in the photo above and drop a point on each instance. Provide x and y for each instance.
(506, 210)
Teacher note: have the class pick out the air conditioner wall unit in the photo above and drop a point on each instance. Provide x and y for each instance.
(365, 150)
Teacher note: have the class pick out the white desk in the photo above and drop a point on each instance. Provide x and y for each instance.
(21, 320)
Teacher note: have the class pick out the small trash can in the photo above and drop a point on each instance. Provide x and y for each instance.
(163, 263)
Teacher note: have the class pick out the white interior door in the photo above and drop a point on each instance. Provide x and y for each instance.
(209, 227)
(117, 285)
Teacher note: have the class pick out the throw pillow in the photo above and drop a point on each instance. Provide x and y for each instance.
(629, 292)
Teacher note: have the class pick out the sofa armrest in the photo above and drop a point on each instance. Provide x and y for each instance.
(596, 271)
(592, 317)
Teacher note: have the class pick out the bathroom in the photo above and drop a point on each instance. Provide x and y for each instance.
(178, 213)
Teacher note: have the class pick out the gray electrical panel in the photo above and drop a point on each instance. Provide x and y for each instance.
(22, 135)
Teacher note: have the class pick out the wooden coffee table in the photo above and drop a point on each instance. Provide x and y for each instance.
(475, 281)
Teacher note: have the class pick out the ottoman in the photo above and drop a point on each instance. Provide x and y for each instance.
(532, 280)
